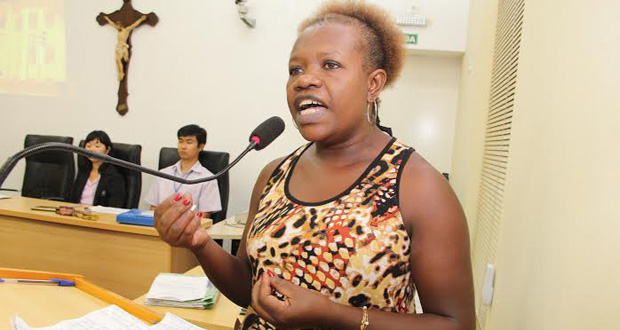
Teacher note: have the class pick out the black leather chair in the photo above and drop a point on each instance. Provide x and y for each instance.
(214, 161)
(48, 175)
(133, 179)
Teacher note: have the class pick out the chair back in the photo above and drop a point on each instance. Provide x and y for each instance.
(214, 161)
(133, 179)
(49, 174)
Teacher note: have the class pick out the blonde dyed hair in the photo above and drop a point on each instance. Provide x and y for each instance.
(381, 39)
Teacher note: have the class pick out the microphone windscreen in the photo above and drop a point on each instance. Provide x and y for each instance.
(266, 132)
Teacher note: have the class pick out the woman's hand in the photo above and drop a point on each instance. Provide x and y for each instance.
(287, 305)
(178, 225)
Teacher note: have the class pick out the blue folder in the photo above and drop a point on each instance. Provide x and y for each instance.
(136, 217)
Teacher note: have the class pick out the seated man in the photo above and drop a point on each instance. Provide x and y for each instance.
(206, 195)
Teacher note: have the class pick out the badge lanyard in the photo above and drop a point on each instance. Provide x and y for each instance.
(177, 185)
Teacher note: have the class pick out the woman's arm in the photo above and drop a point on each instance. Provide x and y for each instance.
(440, 262)
(180, 227)
(78, 186)
(440, 257)
(115, 189)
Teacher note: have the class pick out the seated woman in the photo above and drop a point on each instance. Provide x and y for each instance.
(99, 183)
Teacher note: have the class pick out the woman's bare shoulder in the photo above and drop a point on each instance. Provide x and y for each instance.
(425, 194)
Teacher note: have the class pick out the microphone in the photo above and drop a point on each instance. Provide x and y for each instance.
(260, 138)
(266, 132)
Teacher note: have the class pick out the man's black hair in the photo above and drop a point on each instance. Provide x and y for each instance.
(193, 130)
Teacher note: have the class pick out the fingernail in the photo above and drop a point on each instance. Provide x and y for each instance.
(199, 214)
(270, 273)
(177, 197)
(186, 202)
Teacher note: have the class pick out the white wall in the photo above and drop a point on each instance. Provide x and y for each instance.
(202, 65)
(446, 29)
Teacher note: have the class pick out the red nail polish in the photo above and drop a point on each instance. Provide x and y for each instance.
(177, 197)
(186, 202)
(270, 273)
(199, 214)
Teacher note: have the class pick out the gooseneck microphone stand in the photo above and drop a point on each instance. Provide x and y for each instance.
(48, 146)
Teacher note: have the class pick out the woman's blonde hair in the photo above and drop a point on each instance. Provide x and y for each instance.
(381, 39)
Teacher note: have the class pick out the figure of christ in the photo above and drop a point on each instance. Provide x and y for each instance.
(122, 47)
(125, 20)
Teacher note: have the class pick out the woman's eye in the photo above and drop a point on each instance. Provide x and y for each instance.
(331, 65)
(294, 71)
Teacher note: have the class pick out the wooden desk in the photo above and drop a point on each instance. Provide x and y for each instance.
(221, 317)
(122, 258)
(43, 305)
(227, 228)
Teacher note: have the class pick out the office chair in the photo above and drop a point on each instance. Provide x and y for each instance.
(49, 174)
(133, 179)
(214, 161)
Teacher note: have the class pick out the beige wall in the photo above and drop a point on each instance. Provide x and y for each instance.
(558, 259)
(473, 103)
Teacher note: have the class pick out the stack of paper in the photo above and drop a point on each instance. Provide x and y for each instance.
(111, 317)
(179, 290)
(107, 209)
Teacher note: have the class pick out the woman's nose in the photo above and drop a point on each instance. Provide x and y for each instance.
(307, 80)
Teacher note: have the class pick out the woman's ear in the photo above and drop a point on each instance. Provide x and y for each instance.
(376, 82)
(107, 150)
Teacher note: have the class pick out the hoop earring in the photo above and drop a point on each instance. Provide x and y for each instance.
(372, 111)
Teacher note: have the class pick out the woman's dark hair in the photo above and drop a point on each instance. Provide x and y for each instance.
(101, 136)
(193, 130)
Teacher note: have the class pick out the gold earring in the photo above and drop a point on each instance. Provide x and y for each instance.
(372, 110)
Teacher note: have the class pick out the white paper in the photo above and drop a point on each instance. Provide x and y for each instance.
(4, 196)
(173, 322)
(18, 324)
(108, 318)
(105, 209)
(178, 287)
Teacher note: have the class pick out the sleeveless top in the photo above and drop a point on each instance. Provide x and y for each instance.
(353, 248)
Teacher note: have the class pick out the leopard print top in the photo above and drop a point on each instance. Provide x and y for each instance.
(353, 248)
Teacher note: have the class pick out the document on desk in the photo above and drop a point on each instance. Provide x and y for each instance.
(179, 290)
(173, 322)
(107, 209)
(110, 318)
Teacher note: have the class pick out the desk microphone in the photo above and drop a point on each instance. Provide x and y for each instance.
(261, 137)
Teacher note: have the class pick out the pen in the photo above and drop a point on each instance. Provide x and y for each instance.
(53, 281)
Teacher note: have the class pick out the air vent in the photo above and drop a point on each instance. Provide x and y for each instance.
(497, 138)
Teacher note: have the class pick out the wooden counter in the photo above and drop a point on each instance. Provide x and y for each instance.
(121, 258)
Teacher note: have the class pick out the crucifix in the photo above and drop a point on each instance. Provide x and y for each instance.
(125, 20)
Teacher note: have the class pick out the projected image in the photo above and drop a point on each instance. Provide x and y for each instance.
(32, 47)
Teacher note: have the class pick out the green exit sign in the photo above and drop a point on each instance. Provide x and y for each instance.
(411, 38)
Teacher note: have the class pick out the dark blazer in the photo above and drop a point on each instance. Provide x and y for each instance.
(110, 190)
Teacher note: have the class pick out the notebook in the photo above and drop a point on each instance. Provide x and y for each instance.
(179, 290)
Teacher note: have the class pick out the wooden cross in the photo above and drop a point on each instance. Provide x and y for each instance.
(125, 20)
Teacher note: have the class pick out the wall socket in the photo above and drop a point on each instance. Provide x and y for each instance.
(488, 286)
